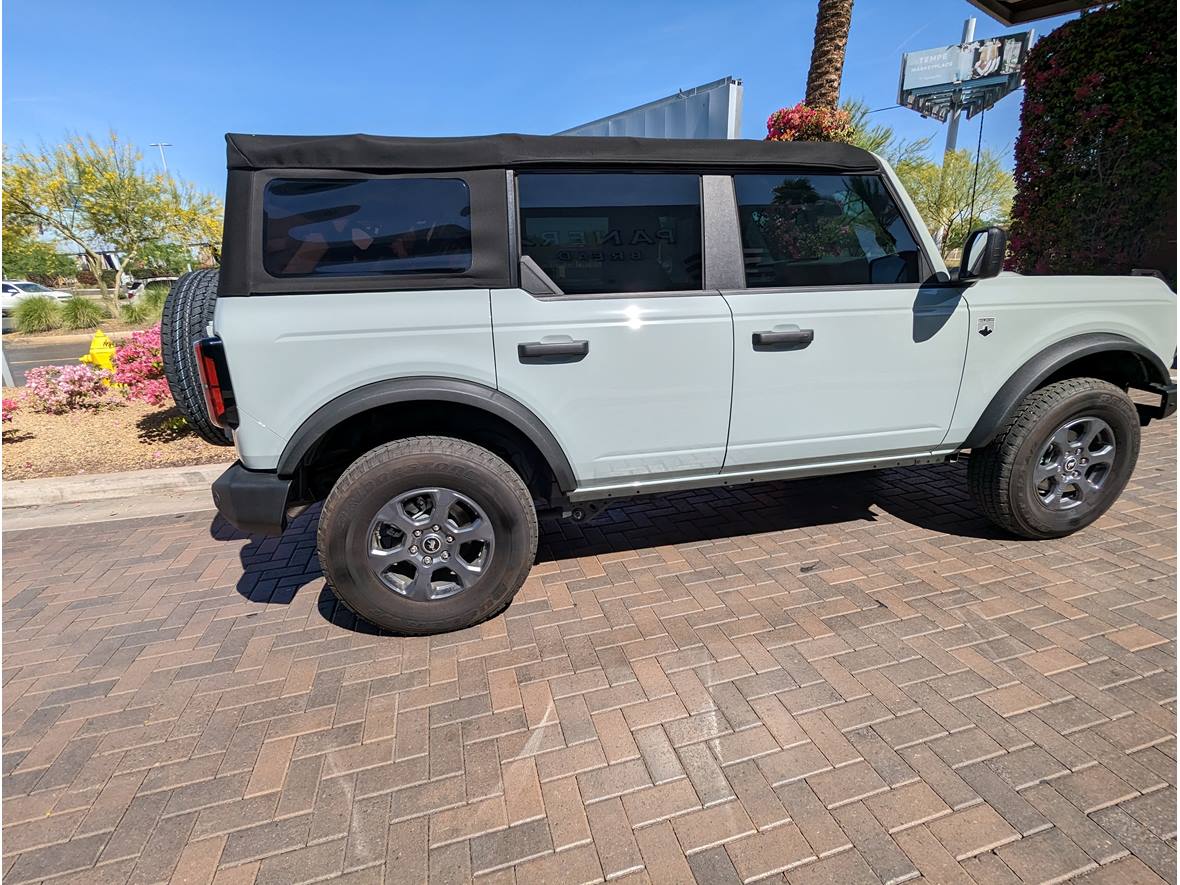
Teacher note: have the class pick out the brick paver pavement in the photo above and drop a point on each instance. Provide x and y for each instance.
(841, 680)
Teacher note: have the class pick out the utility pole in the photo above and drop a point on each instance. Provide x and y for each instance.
(952, 136)
(164, 144)
(952, 129)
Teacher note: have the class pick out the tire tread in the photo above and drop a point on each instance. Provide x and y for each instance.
(989, 469)
(374, 461)
(188, 309)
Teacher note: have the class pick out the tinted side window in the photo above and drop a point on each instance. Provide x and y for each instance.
(822, 230)
(366, 227)
(605, 232)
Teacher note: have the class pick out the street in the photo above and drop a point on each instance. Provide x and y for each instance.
(849, 679)
(29, 354)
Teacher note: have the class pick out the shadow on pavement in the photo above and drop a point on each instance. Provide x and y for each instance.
(933, 498)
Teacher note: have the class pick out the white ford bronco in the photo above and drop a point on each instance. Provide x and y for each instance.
(438, 337)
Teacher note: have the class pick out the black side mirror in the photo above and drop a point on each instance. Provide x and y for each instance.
(983, 254)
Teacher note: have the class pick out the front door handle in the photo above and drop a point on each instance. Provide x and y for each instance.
(793, 339)
(552, 351)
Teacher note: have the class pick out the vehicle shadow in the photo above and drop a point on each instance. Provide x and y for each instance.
(933, 498)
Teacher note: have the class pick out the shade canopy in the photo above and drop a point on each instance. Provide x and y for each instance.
(1015, 12)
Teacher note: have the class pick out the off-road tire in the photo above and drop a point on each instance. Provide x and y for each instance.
(998, 474)
(188, 310)
(394, 468)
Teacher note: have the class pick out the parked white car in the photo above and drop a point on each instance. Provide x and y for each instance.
(14, 290)
(138, 287)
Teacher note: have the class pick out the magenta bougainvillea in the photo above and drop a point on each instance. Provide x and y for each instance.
(8, 407)
(802, 123)
(61, 389)
(139, 366)
(1096, 156)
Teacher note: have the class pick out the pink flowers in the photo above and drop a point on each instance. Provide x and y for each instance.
(61, 389)
(802, 123)
(140, 366)
(7, 407)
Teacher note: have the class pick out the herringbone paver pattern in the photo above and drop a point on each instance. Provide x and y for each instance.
(842, 680)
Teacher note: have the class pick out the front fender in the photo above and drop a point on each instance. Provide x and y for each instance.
(1045, 364)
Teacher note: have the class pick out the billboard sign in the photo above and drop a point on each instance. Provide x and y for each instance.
(972, 76)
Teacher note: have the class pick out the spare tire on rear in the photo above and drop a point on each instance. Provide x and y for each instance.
(188, 310)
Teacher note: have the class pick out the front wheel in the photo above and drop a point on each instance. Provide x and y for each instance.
(1060, 461)
(427, 534)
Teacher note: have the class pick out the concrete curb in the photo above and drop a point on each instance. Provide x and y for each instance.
(12, 339)
(98, 497)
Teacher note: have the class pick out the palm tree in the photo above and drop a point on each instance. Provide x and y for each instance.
(827, 54)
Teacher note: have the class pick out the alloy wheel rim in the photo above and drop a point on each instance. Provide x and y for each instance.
(430, 543)
(1075, 464)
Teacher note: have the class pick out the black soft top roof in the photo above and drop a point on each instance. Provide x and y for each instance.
(380, 153)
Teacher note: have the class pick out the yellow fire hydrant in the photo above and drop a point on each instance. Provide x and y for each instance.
(102, 353)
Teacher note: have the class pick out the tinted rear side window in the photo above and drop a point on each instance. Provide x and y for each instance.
(822, 230)
(366, 227)
(601, 232)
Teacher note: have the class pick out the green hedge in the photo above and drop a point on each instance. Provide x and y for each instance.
(1096, 156)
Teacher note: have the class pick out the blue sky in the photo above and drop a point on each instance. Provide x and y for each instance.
(187, 73)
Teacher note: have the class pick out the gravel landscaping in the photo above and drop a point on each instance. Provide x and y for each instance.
(128, 436)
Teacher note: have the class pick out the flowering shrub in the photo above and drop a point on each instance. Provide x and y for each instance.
(7, 408)
(1096, 156)
(140, 366)
(802, 123)
(61, 389)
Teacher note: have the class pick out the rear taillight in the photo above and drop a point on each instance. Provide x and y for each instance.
(215, 383)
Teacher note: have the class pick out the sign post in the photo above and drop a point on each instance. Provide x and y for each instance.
(952, 129)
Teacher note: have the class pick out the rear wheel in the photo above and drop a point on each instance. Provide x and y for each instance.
(427, 534)
(188, 310)
(1060, 461)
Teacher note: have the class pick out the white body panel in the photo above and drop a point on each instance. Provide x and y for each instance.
(672, 392)
(652, 396)
(1034, 313)
(290, 354)
(880, 376)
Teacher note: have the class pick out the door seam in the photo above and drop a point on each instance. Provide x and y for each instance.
(732, 375)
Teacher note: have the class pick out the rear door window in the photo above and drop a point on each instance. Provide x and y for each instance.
(604, 232)
(366, 227)
(823, 230)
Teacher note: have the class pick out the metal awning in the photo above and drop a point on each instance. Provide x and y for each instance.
(1015, 12)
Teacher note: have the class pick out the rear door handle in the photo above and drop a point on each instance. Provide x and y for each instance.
(552, 351)
(794, 339)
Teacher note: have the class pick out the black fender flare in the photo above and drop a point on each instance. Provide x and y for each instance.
(427, 389)
(1032, 374)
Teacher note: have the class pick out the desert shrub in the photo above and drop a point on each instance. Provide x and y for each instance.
(61, 389)
(81, 312)
(802, 123)
(140, 366)
(37, 313)
(8, 408)
(154, 297)
(135, 313)
(1096, 156)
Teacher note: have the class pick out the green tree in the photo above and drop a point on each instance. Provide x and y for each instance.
(881, 139)
(26, 257)
(162, 260)
(943, 195)
(99, 196)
